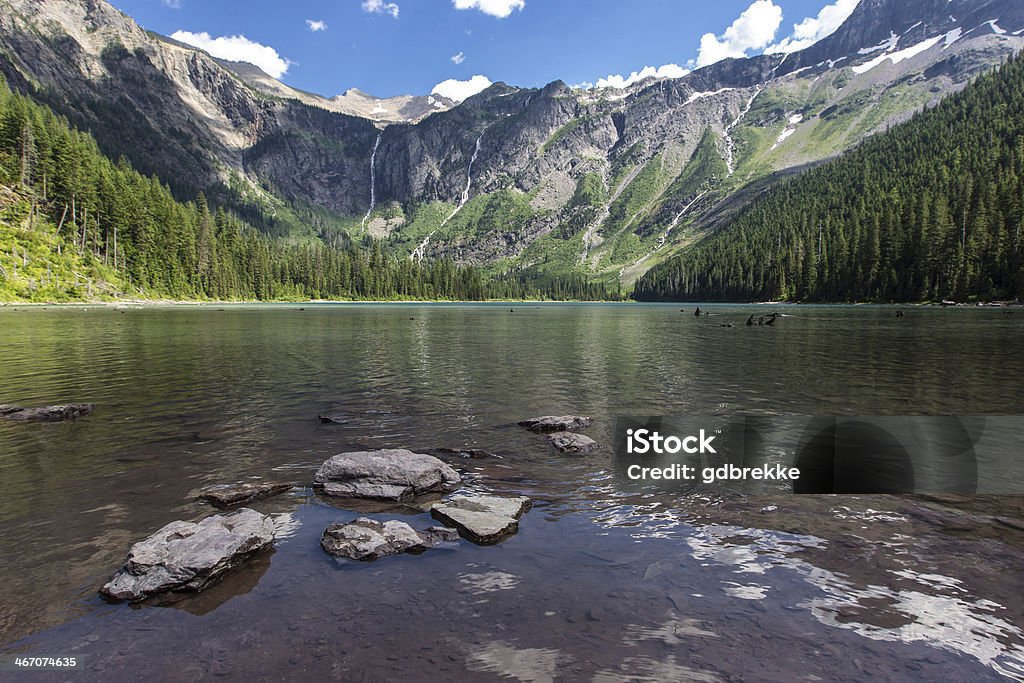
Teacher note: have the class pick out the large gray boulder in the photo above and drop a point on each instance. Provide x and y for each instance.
(367, 539)
(556, 423)
(47, 413)
(482, 519)
(187, 556)
(231, 495)
(391, 474)
(567, 442)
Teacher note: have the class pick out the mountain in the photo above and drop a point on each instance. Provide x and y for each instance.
(354, 102)
(542, 182)
(75, 225)
(928, 211)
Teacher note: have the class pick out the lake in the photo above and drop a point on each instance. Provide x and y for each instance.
(602, 582)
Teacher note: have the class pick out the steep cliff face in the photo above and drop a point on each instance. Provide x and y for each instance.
(173, 110)
(547, 180)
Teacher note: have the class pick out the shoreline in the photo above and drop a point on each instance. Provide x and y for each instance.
(156, 303)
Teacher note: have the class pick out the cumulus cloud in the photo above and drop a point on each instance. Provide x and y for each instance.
(665, 71)
(752, 30)
(812, 29)
(460, 90)
(496, 8)
(237, 49)
(458, 59)
(173, 4)
(316, 25)
(380, 7)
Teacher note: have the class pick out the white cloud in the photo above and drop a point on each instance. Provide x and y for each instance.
(666, 71)
(316, 25)
(237, 49)
(458, 59)
(460, 90)
(380, 7)
(812, 29)
(753, 30)
(173, 4)
(496, 8)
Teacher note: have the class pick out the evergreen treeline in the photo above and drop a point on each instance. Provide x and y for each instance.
(109, 215)
(931, 209)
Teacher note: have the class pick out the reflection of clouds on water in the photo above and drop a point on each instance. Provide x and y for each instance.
(752, 551)
(945, 621)
(488, 582)
(285, 524)
(672, 632)
(868, 515)
(745, 592)
(944, 617)
(647, 520)
(647, 670)
(531, 665)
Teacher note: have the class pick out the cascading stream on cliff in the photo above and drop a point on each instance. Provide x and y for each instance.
(373, 180)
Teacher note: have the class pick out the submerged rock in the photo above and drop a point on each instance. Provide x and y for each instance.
(482, 519)
(390, 474)
(567, 442)
(47, 413)
(229, 495)
(553, 423)
(367, 539)
(469, 453)
(186, 556)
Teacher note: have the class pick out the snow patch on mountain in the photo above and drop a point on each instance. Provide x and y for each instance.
(897, 57)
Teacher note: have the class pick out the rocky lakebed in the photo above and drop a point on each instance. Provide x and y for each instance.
(186, 557)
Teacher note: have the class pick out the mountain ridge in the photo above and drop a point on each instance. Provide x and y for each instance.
(427, 188)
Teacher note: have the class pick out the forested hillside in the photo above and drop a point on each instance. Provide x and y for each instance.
(931, 209)
(75, 225)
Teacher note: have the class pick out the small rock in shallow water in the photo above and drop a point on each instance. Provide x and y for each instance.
(48, 413)
(186, 556)
(229, 495)
(368, 539)
(471, 453)
(567, 442)
(391, 474)
(553, 423)
(482, 519)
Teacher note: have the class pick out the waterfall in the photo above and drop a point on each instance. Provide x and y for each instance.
(469, 181)
(730, 144)
(419, 252)
(675, 221)
(373, 180)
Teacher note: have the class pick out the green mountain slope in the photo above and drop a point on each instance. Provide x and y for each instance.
(931, 209)
(74, 225)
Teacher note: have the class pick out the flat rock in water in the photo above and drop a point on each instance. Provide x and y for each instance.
(367, 539)
(229, 495)
(47, 413)
(187, 556)
(390, 474)
(482, 519)
(556, 423)
(567, 442)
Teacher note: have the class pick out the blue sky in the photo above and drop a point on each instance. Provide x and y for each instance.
(399, 47)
